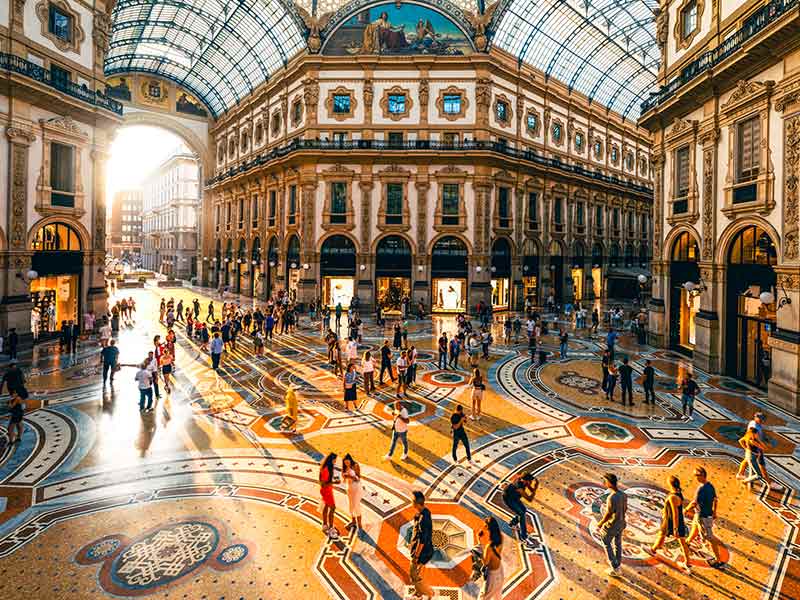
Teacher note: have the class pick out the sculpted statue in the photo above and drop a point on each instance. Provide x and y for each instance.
(662, 27)
(315, 24)
(479, 23)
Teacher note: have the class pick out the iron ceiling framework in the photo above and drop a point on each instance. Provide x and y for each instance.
(219, 50)
(605, 49)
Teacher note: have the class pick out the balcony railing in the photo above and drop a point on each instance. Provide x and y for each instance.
(300, 144)
(16, 64)
(759, 21)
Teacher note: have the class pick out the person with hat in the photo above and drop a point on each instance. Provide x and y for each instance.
(612, 524)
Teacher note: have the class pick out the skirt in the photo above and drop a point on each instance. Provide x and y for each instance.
(493, 585)
(350, 394)
(354, 493)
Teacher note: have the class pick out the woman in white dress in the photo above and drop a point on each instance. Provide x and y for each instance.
(494, 577)
(351, 472)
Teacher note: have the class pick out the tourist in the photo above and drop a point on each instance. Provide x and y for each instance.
(351, 350)
(604, 362)
(402, 368)
(154, 367)
(210, 316)
(517, 329)
(351, 473)
(399, 431)
(386, 362)
(167, 364)
(338, 362)
(396, 339)
(612, 524)
(109, 357)
(494, 577)
(673, 523)
(412, 365)
(13, 341)
(626, 381)
(421, 547)
(758, 425)
(258, 342)
(611, 339)
(349, 385)
(16, 407)
(217, 346)
(13, 378)
(649, 383)
(595, 320)
(704, 506)
(196, 307)
(457, 420)
(507, 329)
(455, 351)
(404, 335)
(144, 379)
(269, 327)
(486, 341)
(368, 372)
(327, 479)
(752, 445)
(512, 496)
(105, 332)
(443, 351)
(689, 390)
(563, 339)
(611, 382)
(478, 386)
(338, 315)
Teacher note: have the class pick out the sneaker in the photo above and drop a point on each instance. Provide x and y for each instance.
(333, 533)
(615, 573)
(387, 457)
(750, 479)
(775, 486)
(404, 457)
(530, 543)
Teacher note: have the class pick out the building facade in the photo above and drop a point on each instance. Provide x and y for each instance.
(124, 232)
(726, 153)
(171, 200)
(56, 122)
(452, 181)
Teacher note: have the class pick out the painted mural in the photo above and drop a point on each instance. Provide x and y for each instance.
(189, 105)
(119, 88)
(398, 29)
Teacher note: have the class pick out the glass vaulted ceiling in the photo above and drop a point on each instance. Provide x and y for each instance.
(219, 50)
(605, 49)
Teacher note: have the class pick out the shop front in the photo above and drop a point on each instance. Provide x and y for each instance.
(556, 268)
(58, 261)
(596, 277)
(338, 271)
(293, 266)
(241, 267)
(530, 273)
(449, 262)
(684, 300)
(501, 274)
(392, 273)
(577, 271)
(751, 305)
(256, 282)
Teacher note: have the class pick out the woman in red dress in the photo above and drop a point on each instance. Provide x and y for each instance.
(326, 482)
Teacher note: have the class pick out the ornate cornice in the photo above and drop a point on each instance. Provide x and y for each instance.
(17, 135)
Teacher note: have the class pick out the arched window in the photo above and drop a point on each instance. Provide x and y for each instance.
(338, 256)
(293, 251)
(752, 246)
(629, 255)
(255, 253)
(242, 253)
(578, 253)
(684, 248)
(229, 250)
(393, 257)
(597, 255)
(56, 237)
(449, 257)
(501, 258)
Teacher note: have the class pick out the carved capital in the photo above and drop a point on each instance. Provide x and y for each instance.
(18, 135)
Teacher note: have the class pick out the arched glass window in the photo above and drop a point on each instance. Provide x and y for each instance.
(56, 237)
(293, 250)
(255, 253)
(752, 245)
(242, 253)
(684, 248)
(229, 250)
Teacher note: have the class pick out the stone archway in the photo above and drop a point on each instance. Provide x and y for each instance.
(199, 145)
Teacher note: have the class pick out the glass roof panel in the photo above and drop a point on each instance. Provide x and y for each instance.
(605, 49)
(220, 50)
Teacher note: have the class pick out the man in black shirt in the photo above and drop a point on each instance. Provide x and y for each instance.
(74, 334)
(109, 357)
(688, 392)
(13, 379)
(649, 383)
(443, 351)
(604, 366)
(626, 381)
(421, 546)
(386, 362)
(13, 340)
(512, 496)
(459, 433)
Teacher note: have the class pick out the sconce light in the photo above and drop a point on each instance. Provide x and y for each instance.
(363, 267)
(478, 269)
(214, 259)
(642, 279)
(420, 268)
(595, 266)
(205, 258)
(238, 261)
(494, 268)
(306, 266)
(272, 263)
(293, 265)
(227, 260)
(525, 268)
(552, 267)
(29, 276)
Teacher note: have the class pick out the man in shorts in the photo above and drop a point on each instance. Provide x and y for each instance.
(704, 505)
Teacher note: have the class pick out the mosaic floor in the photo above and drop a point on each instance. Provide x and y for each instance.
(207, 498)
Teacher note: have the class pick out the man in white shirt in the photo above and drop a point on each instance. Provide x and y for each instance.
(152, 367)
(400, 431)
(145, 382)
(402, 369)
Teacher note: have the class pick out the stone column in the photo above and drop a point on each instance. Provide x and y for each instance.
(15, 308)
(365, 279)
(421, 276)
(96, 294)
(480, 287)
(708, 342)
(784, 344)
(517, 299)
(657, 325)
(307, 289)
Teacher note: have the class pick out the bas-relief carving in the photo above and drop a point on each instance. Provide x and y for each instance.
(315, 24)
(17, 228)
(708, 204)
(101, 35)
(791, 208)
(479, 23)
(745, 89)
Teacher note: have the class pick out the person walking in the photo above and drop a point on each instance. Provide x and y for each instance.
(338, 315)
(196, 307)
(751, 444)
(210, 315)
(612, 381)
(604, 362)
(757, 424)
(595, 320)
(517, 329)
(494, 577)
(563, 339)
(386, 362)
(689, 390)
(612, 524)
(154, 368)
(368, 372)
(13, 342)
(402, 372)
(649, 383)
(626, 381)
(512, 497)
(478, 386)
(457, 422)
(351, 473)
(290, 401)
(443, 351)
(109, 358)
(16, 414)
(327, 479)
(399, 432)
(455, 350)
(145, 382)
(611, 340)
(217, 346)
(349, 385)
(167, 362)
(421, 546)
(704, 506)
(673, 523)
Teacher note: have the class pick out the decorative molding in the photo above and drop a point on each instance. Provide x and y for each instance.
(789, 281)
(681, 42)
(275, 122)
(498, 99)
(18, 16)
(369, 95)
(18, 225)
(483, 99)
(64, 124)
(20, 136)
(788, 94)
(297, 111)
(395, 90)
(311, 99)
(791, 194)
(709, 171)
(101, 35)
(536, 130)
(77, 34)
(746, 91)
(423, 93)
(556, 122)
(341, 91)
(448, 91)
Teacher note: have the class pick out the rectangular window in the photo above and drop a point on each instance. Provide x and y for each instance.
(59, 76)
(254, 212)
(228, 215)
(273, 207)
(616, 219)
(338, 202)
(557, 211)
(503, 208)
(397, 104)
(598, 218)
(341, 103)
(579, 214)
(630, 223)
(394, 203)
(452, 104)
(395, 139)
(62, 175)
(689, 19)
(533, 209)
(450, 200)
(748, 155)
(682, 172)
(292, 204)
(59, 23)
(501, 109)
(240, 212)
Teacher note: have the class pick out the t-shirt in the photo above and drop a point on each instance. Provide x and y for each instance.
(422, 535)
(705, 499)
(611, 339)
(401, 426)
(386, 354)
(217, 345)
(456, 418)
(402, 365)
(649, 376)
(105, 332)
(690, 388)
(442, 344)
(759, 429)
(110, 355)
(511, 494)
(626, 373)
(367, 366)
(144, 379)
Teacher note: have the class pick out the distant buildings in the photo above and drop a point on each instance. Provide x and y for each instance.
(124, 237)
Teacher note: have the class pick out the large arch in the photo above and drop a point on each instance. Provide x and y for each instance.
(669, 240)
(82, 232)
(733, 229)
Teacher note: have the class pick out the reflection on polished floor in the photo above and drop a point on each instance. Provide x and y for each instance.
(206, 497)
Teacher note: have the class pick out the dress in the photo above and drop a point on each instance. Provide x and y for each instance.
(354, 493)
(326, 491)
(671, 529)
(493, 584)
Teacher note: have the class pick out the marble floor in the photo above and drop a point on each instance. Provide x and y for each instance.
(207, 498)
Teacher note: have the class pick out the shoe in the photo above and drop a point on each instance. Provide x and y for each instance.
(615, 573)
(387, 457)
(530, 543)
(717, 564)
(404, 457)
(750, 479)
(686, 568)
(775, 486)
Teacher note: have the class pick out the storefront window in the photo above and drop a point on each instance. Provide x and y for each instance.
(450, 294)
(391, 291)
(690, 306)
(338, 290)
(500, 293)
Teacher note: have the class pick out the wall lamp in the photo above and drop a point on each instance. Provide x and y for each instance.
(694, 289)
(29, 276)
(769, 298)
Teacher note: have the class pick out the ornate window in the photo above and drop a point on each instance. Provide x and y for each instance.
(503, 207)
(341, 103)
(232, 147)
(394, 203)
(598, 149)
(533, 210)
(629, 161)
(62, 175)
(56, 237)
(60, 24)
(687, 24)
(451, 196)
(259, 132)
(557, 132)
(297, 112)
(396, 103)
(532, 123)
(59, 183)
(275, 123)
(452, 103)
(292, 212)
(451, 211)
(272, 208)
(338, 210)
(338, 206)
(614, 154)
(502, 111)
(579, 141)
